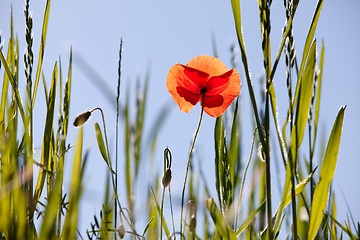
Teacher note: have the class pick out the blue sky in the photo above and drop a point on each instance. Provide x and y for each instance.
(169, 32)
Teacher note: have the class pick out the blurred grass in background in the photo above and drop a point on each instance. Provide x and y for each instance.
(34, 203)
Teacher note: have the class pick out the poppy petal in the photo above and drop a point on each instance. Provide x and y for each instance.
(211, 65)
(217, 84)
(228, 93)
(181, 88)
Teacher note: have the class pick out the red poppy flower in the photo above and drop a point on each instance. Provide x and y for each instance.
(204, 79)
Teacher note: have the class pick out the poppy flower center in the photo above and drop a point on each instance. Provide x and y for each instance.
(204, 90)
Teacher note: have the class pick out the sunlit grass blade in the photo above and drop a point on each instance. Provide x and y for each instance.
(297, 132)
(223, 187)
(303, 103)
(147, 226)
(346, 229)
(101, 146)
(250, 218)
(4, 92)
(152, 228)
(42, 50)
(326, 175)
(234, 153)
(220, 223)
(107, 212)
(308, 43)
(164, 225)
(318, 94)
(45, 154)
(48, 228)
(71, 218)
(235, 4)
(14, 86)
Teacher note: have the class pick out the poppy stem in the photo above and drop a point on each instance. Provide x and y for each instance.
(188, 163)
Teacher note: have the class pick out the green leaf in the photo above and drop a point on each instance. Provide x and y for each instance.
(220, 223)
(14, 86)
(308, 41)
(71, 218)
(318, 93)
(297, 132)
(304, 100)
(165, 227)
(45, 154)
(233, 154)
(326, 175)
(147, 226)
(221, 166)
(250, 218)
(101, 146)
(42, 50)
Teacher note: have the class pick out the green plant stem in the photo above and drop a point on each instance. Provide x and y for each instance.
(188, 165)
(243, 180)
(112, 174)
(267, 167)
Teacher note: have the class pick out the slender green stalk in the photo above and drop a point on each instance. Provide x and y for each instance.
(117, 130)
(188, 165)
(243, 181)
(112, 174)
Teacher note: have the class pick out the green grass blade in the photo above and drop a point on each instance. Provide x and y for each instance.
(307, 46)
(101, 146)
(318, 93)
(326, 175)
(221, 165)
(71, 218)
(304, 101)
(235, 4)
(66, 106)
(300, 123)
(251, 218)
(234, 154)
(220, 223)
(4, 92)
(45, 154)
(14, 86)
(42, 50)
(165, 227)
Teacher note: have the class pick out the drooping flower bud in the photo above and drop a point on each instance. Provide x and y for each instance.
(81, 118)
(121, 230)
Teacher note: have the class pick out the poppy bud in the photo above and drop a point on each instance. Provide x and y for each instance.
(121, 230)
(191, 207)
(82, 118)
(166, 179)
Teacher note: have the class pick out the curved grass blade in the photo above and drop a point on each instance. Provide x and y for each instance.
(318, 94)
(48, 133)
(307, 46)
(14, 86)
(71, 218)
(165, 227)
(234, 147)
(326, 175)
(251, 218)
(101, 146)
(297, 132)
(42, 49)
(220, 223)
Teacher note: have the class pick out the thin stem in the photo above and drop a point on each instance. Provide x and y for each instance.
(267, 167)
(112, 174)
(243, 181)
(188, 164)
